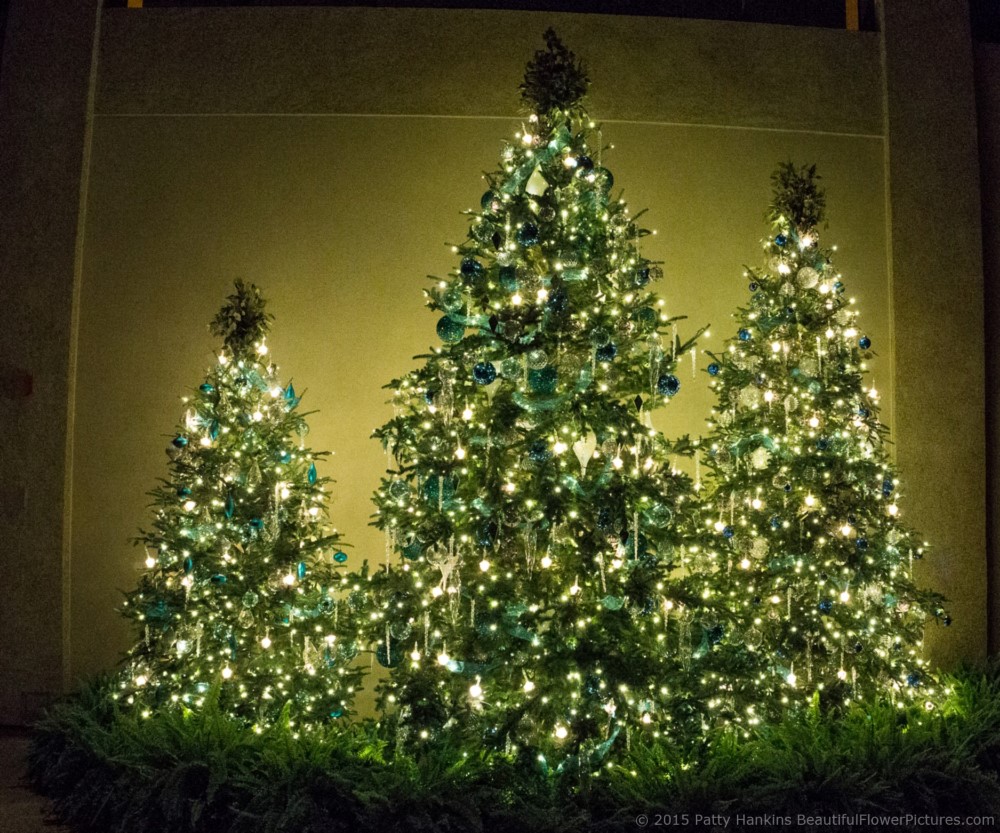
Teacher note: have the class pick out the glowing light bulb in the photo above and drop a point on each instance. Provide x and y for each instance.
(892, 509)
(559, 447)
(775, 346)
(476, 690)
(205, 441)
(647, 719)
(561, 732)
(141, 680)
(223, 359)
(289, 580)
(756, 503)
(810, 500)
(791, 679)
(806, 240)
(542, 294)
(618, 462)
(150, 562)
(509, 487)
(276, 392)
(227, 672)
(189, 505)
(516, 299)
(436, 592)
(745, 564)
(814, 422)
(265, 643)
(846, 530)
(467, 414)
(845, 596)
(484, 565)
(841, 674)
(262, 349)
(415, 655)
(527, 139)
(546, 562)
(769, 396)
(460, 453)
(443, 658)
(575, 589)
(182, 646)
(257, 416)
(528, 686)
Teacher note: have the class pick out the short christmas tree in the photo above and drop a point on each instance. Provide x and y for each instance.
(240, 597)
(812, 553)
(532, 513)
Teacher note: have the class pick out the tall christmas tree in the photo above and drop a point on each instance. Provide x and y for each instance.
(531, 511)
(812, 553)
(240, 592)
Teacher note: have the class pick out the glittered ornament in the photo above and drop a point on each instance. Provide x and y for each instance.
(537, 359)
(452, 300)
(539, 451)
(510, 368)
(668, 384)
(713, 369)
(250, 599)
(807, 277)
(780, 240)
(450, 331)
(527, 234)
(471, 268)
(544, 380)
(508, 278)
(607, 352)
(825, 606)
(484, 373)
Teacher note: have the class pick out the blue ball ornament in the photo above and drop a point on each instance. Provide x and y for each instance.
(584, 163)
(188, 564)
(179, 442)
(754, 286)
(607, 352)
(715, 634)
(861, 544)
(285, 456)
(775, 522)
(864, 342)
(508, 278)
(183, 491)
(335, 713)
(218, 578)
(668, 384)
(744, 334)
(728, 532)
(412, 550)
(487, 200)
(206, 388)
(780, 240)
(838, 286)
(527, 235)
(913, 679)
(641, 277)
(450, 331)
(825, 606)
(257, 523)
(713, 369)
(340, 557)
(484, 373)
(539, 451)
(887, 487)
(822, 443)
(471, 268)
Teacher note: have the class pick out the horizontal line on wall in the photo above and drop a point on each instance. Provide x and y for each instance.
(485, 118)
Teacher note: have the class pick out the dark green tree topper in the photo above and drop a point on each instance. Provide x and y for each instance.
(533, 508)
(811, 551)
(241, 590)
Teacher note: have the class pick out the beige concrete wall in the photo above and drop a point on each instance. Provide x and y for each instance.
(339, 219)
(987, 66)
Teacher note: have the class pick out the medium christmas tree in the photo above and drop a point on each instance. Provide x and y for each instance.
(534, 510)
(240, 592)
(811, 552)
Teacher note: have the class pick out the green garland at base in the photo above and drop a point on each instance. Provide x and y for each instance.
(114, 772)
